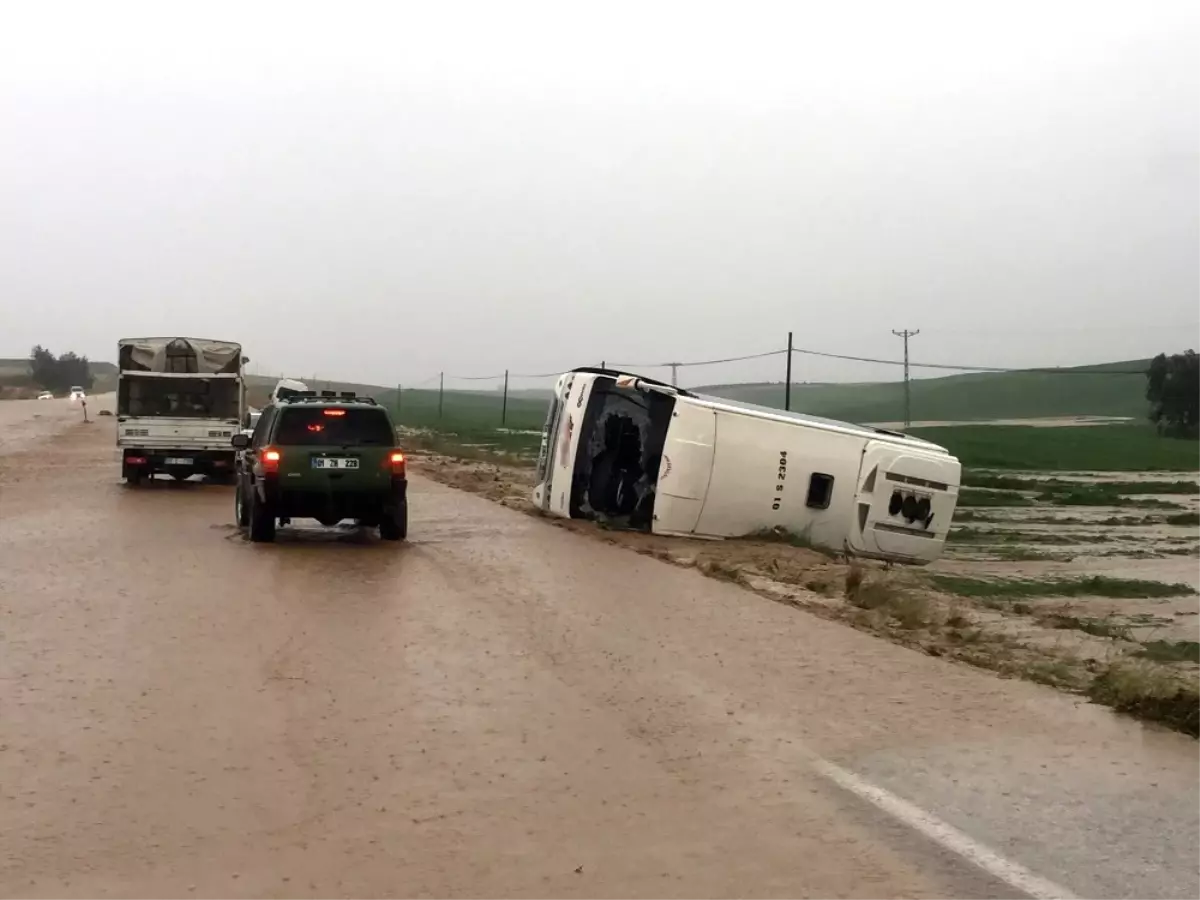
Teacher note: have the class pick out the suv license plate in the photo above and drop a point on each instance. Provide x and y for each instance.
(334, 462)
(179, 461)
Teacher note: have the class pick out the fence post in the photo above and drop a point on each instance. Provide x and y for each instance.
(504, 403)
(787, 389)
(441, 391)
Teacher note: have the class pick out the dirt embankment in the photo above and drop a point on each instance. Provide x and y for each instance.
(1075, 638)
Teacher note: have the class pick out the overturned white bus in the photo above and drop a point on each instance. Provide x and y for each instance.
(639, 453)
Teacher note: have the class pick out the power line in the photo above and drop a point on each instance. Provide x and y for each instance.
(702, 362)
(961, 368)
(644, 365)
(949, 367)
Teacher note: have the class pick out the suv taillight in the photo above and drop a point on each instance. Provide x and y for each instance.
(270, 460)
(396, 461)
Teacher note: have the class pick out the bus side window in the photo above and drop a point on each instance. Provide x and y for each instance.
(820, 491)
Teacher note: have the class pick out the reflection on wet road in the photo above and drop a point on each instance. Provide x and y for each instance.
(502, 708)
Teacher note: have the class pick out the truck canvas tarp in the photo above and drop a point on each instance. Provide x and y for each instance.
(178, 355)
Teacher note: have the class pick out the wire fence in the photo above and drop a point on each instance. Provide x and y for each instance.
(464, 400)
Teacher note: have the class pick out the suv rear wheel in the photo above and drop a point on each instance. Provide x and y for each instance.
(394, 525)
(241, 512)
(262, 523)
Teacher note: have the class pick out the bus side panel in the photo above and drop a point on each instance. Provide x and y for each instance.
(761, 477)
(904, 503)
(685, 469)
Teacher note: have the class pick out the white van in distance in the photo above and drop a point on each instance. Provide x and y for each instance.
(642, 454)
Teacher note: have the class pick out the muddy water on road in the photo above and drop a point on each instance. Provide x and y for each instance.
(502, 708)
(23, 423)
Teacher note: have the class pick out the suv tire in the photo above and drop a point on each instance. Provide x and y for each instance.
(394, 525)
(262, 523)
(241, 512)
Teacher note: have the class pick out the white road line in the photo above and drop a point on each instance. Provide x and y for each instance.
(1011, 873)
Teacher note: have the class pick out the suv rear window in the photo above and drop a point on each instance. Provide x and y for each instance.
(333, 426)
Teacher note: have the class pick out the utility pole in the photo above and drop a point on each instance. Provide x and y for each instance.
(787, 388)
(674, 373)
(399, 388)
(906, 334)
(441, 391)
(504, 403)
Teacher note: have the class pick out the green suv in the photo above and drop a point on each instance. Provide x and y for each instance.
(325, 456)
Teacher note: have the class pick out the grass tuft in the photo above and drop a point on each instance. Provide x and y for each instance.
(1105, 626)
(1093, 586)
(1170, 651)
(907, 608)
(1148, 691)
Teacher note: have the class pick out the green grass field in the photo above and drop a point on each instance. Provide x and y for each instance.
(474, 418)
(965, 398)
(1107, 448)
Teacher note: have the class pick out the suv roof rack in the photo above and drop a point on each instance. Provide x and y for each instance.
(326, 397)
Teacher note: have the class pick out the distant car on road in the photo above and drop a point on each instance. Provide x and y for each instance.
(45, 395)
(77, 395)
(328, 456)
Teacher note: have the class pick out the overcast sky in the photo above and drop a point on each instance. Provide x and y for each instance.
(379, 192)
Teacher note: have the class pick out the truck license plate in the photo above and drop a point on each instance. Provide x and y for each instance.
(334, 462)
(178, 461)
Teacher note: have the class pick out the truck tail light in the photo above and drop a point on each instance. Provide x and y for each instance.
(135, 460)
(270, 460)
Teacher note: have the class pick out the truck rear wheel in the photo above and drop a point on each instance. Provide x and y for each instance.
(132, 475)
(262, 523)
(394, 525)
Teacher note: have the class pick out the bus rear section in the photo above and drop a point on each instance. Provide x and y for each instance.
(904, 502)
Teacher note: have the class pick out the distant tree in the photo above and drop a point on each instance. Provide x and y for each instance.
(74, 369)
(1173, 389)
(59, 373)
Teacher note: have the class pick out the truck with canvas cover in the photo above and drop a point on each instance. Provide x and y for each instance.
(638, 453)
(179, 401)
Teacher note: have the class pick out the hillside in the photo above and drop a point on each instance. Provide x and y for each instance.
(976, 397)
(1084, 391)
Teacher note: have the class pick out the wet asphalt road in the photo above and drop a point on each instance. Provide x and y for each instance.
(504, 708)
